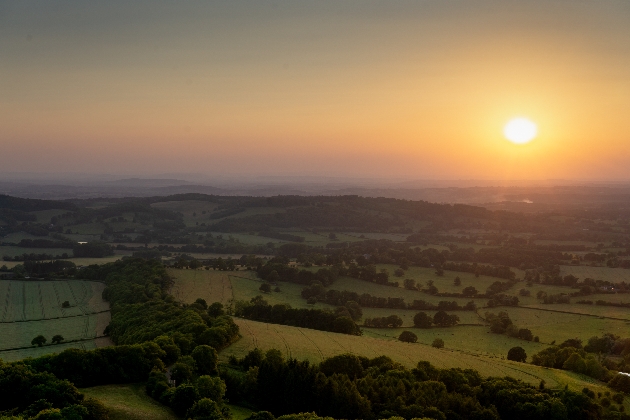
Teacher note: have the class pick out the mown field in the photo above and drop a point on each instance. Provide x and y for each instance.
(31, 308)
(315, 345)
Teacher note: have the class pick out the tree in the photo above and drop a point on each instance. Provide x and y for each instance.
(438, 343)
(205, 409)
(517, 354)
(408, 337)
(211, 387)
(332, 236)
(422, 320)
(620, 383)
(273, 276)
(202, 303)
(57, 339)
(442, 319)
(65, 304)
(469, 291)
(457, 281)
(399, 272)
(439, 272)
(205, 360)
(410, 284)
(181, 372)
(184, 396)
(525, 334)
(216, 309)
(38, 341)
(265, 288)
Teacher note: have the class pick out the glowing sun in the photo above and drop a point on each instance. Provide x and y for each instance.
(520, 130)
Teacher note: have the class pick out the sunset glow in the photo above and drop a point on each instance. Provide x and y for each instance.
(412, 90)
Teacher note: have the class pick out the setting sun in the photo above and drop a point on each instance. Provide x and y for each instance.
(520, 130)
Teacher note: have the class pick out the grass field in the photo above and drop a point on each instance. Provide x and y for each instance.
(129, 402)
(31, 308)
(315, 345)
(213, 286)
(13, 251)
(615, 275)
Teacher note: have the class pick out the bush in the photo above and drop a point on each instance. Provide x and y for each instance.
(517, 354)
(438, 343)
(422, 320)
(620, 383)
(408, 337)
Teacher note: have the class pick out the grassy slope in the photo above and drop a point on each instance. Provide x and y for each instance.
(315, 345)
(129, 402)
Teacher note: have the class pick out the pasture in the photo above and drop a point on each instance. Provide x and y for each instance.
(615, 275)
(31, 308)
(129, 402)
(301, 343)
(189, 285)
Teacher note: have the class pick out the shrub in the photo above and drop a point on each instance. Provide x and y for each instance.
(408, 337)
(438, 343)
(517, 354)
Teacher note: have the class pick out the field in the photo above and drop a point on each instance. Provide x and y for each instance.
(315, 345)
(129, 402)
(213, 286)
(614, 275)
(31, 308)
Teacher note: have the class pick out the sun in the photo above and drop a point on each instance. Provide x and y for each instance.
(520, 130)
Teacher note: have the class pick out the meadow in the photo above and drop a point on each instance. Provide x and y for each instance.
(615, 275)
(312, 345)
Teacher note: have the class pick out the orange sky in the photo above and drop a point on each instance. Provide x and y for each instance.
(414, 89)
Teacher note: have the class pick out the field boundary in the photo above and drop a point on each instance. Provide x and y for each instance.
(570, 313)
(58, 317)
(78, 340)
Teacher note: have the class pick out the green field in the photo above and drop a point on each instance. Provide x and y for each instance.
(614, 275)
(129, 402)
(315, 345)
(31, 308)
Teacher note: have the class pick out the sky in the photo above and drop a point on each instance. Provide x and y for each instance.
(381, 89)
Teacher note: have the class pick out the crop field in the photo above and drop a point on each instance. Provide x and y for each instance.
(615, 275)
(315, 345)
(31, 308)
(213, 286)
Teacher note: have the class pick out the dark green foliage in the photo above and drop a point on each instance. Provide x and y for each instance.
(620, 383)
(206, 359)
(442, 319)
(422, 320)
(92, 250)
(408, 337)
(258, 309)
(183, 398)
(347, 364)
(351, 387)
(38, 341)
(438, 343)
(392, 321)
(517, 354)
(25, 390)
